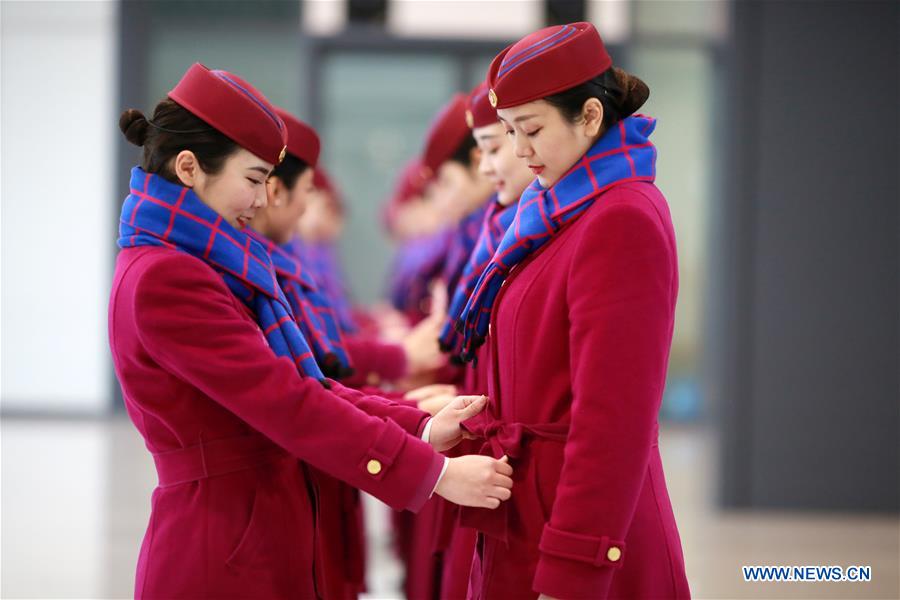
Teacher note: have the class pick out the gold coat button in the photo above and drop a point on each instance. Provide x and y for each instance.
(373, 467)
(613, 554)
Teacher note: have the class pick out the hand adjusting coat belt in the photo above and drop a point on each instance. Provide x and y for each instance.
(503, 438)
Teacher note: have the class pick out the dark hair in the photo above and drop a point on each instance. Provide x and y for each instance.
(290, 170)
(463, 153)
(620, 93)
(172, 130)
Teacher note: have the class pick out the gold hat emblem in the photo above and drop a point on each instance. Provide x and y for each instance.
(470, 120)
(492, 98)
(282, 155)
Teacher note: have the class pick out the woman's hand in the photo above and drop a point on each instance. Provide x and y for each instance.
(423, 352)
(474, 480)
(445, 430)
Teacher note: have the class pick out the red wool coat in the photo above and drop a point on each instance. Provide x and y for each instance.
(580, 342)
(226, 421)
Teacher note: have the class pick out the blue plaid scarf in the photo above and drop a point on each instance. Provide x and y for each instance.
(160, 213)
(322, 262)
(494, 224)
(417, 263)
(316, 318)
(461, 246)
(622, 154)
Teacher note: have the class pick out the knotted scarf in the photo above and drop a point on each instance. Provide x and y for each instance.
(315, 316)
(417, 263)
(494, 224)
(322, 262)
(160, 213)
(464, 238)
(623, 154)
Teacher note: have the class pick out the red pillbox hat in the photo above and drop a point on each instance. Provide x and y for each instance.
(232, 106)
(479, 112)
(323, 181)
(410, 183)
(302, 139)
(447, 132)
(546, 62)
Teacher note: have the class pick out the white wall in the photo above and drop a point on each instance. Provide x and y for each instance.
(56, 508)
(323, 17)
(57, 128)
(464, 18)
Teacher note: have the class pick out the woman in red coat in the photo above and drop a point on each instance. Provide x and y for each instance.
(375, 361)
(220, 381)
(510, 176)
(580, 301)
(461, 195)
(341, 534)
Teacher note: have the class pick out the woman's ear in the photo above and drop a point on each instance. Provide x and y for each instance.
(475, 155)
(276, 192)
(592, 117)
(187, 168)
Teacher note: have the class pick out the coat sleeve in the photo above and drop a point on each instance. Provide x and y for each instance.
(374, 361)
(404, 412)
(189, 324)
(621, 307)
(397, 396)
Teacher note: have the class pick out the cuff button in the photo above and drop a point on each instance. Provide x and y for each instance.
(373, 467)
(613, 554)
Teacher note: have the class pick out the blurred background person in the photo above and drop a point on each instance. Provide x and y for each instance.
(379, 356)
(510, 176)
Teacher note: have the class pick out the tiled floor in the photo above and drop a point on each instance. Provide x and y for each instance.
(75, 501)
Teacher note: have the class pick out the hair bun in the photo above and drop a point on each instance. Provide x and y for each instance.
(634, 92)
(134, 125)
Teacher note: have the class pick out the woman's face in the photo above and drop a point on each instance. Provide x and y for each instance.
(546, 141)
(320, 222)
(285, 206)
(458, 189)
(236, 192)
(417, 216)
(499, 163)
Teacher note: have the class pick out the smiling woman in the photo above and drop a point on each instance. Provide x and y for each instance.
(220, 380)
(182, 149)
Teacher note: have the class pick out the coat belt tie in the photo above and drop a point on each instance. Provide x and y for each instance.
(504, 438)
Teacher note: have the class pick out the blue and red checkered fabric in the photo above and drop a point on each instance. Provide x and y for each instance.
(622, 154)
(321, 260)
(160, 213)
(464, 239)
(417, 263)
(494, 224)
(315, 316)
